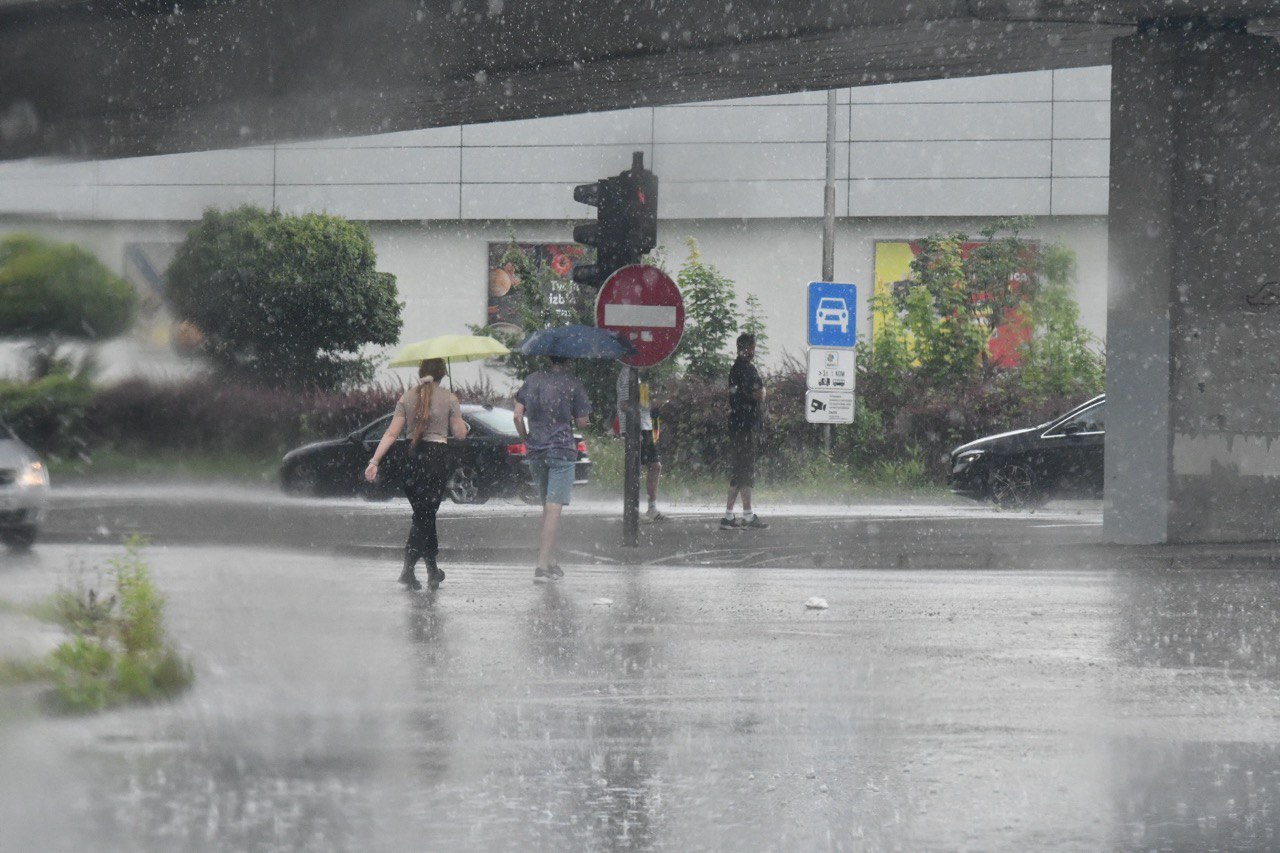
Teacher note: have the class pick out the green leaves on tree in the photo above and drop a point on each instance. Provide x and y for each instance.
(51, 292)
(288, 300)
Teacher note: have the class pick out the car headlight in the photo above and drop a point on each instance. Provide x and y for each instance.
(34, 475)
(968, 458)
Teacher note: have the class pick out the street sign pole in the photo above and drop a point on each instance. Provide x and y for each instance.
(642, 304)
(833, 335)
(631, 477)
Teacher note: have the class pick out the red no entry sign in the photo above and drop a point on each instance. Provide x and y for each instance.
(644, 304)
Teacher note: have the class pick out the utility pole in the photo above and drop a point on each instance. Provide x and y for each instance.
(829, 221)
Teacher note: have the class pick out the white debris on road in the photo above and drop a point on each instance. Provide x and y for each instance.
(816, 603)
(603, 602)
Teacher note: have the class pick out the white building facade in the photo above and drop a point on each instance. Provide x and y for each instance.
(743, 177)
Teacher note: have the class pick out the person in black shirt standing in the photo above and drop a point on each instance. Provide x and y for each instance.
(746, 397)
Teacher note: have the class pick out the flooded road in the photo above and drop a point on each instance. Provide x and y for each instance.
(666, 708)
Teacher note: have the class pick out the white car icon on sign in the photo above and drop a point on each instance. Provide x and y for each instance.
(833, 312)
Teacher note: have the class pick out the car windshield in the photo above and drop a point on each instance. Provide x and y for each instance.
(500, 421)
(1091, 420)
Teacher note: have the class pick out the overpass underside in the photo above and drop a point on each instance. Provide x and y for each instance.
(1193, 446)
(134, 77)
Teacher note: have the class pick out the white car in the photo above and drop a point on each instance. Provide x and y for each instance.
(24, 491)
(833, 312)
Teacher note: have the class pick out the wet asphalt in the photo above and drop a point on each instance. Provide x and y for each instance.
(687, 701)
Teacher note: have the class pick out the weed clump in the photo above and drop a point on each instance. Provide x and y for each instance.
(118, 652)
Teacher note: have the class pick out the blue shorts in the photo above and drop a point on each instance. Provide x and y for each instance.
(554, 479)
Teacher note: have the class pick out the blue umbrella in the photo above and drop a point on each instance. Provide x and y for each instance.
(577, 342)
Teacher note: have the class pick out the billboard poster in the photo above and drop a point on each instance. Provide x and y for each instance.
(554, 263)
(893, 271)
(144, 266)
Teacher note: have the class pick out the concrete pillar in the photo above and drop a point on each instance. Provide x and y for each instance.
(1193, 323)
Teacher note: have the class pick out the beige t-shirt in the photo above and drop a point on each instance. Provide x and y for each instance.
(444, 405)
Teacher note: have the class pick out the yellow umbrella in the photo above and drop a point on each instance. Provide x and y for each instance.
(450, 348)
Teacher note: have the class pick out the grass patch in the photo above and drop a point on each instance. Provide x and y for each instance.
(24, 672)
(168, 464)
(118, 652)
(816, 479)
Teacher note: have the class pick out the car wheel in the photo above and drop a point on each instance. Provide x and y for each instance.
(18, 538)
(1013, 486)
(464, 486)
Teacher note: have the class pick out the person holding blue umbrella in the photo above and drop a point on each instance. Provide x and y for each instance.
(554, 401)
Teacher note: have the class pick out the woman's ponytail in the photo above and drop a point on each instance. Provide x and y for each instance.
(430, 371)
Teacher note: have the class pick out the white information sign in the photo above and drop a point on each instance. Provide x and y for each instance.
(831, 369)
(828, 407)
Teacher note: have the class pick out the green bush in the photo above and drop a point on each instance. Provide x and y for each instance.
(288, 300)
(118, 652)
(82, 674)
(48, 414)
(219, 417)
(60, 290)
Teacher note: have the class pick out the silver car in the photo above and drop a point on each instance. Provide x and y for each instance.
(24, 491)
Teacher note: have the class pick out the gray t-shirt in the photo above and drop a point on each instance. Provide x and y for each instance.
(552, 401)
(444, 405)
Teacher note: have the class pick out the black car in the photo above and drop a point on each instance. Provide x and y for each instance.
(1026, 467)
(490, 462)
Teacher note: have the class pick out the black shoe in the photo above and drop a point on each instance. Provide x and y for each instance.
(407, 577)
(755, 523)
(730, 524)
(550, 574)
(435, 577)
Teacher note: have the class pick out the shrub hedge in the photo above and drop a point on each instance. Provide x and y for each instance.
(49, 414)
(207, 415)
(890, 426)
(908, 428)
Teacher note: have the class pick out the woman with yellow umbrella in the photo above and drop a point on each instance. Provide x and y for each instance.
(429, 414)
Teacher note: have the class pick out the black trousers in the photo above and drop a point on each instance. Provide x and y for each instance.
(427, 472)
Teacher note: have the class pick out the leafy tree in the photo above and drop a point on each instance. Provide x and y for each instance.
(54, 292)
(537, 282)
(938, 312)
(286, 300)
(753, 324)
(711, 316)
(957, 301)
(1060, 357)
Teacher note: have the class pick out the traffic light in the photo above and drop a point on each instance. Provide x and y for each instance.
(626, 225)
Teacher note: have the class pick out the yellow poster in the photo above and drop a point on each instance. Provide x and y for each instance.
(892, 266)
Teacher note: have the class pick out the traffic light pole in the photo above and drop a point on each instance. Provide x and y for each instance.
(631, 477)
(626, 227)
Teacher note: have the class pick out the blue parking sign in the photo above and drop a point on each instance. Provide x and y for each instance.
(832, 314)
